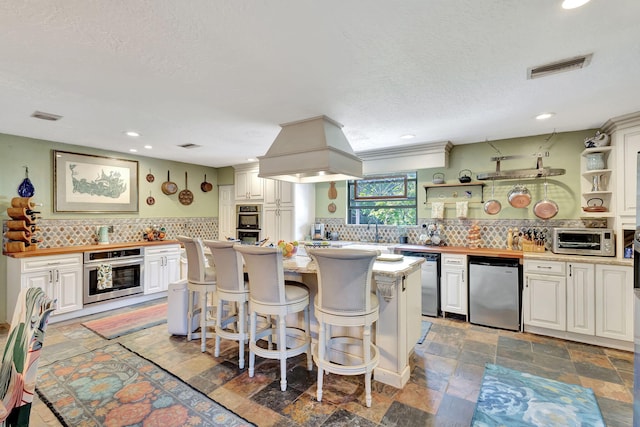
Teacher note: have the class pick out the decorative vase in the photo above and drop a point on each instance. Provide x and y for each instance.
(595, 161)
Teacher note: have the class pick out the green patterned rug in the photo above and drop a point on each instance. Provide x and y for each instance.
(514, 398)
(115, 386)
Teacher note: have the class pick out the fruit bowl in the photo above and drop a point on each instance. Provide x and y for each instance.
(289, 249)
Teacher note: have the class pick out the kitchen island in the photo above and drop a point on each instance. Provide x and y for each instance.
(398, 286)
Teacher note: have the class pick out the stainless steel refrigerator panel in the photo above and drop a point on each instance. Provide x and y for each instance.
(494, 296)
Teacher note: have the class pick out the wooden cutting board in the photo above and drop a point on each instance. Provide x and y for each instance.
(333, 193)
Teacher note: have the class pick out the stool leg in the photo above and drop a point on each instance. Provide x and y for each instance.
(252, 343)
(219, 324)
(366, 341)
(189, 314)
(321, 350)
(242, 334)
(282, 348)
(307, 330)
(203, 321)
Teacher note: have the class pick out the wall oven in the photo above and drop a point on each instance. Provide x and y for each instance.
(249, 223)
(112, 274)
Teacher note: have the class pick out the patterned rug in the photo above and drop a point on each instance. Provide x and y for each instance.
(121, 324)
(113, 386)
(513, 398)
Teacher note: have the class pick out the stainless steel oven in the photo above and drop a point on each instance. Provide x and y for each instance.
(112, 274)
(249, 223)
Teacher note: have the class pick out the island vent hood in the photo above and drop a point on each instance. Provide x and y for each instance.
(310, 150)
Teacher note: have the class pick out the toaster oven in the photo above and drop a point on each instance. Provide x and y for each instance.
(584, 241)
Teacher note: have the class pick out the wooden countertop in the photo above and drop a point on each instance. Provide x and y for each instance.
(89, 248)
(500, 253)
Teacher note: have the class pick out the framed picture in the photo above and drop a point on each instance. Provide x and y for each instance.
(87, 183)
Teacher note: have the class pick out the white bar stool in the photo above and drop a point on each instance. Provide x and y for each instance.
(201, 280)
(345, 300)
(231, 291)
(269, 295)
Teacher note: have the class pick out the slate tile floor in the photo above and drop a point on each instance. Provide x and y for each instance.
(445, 377)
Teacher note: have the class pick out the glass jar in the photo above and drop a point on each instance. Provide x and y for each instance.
(595, 161)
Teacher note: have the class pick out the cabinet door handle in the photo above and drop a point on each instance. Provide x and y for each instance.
(462, 276)
(50, 276)
(570, 270)
(57, 276)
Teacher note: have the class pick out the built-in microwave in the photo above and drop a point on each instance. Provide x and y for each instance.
(248, 217)
(584, 241)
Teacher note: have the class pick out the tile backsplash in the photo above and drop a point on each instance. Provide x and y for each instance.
(493, 233)
(77, 232)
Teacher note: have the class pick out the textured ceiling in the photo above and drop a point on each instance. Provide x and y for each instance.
(225, 74)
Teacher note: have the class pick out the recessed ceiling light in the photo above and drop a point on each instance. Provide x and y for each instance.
(572, 4)
(148, 147)
(407, 136)
(251, 159)
(133, 150)
(132, 133)
(544, 116)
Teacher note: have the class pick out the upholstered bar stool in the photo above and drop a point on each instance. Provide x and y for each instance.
(345, 300)
(270, 295)
(201, 280)
(233, 296)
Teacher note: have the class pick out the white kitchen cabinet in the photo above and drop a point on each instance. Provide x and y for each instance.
(614, 301)
(60, 276)
(399, 326)
(226, 212)
(581, 316)
(161, 267)
(453, 284)
(248, 185)
(288, 211)
(544, 294)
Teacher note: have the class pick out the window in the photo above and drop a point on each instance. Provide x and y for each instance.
(389, 199)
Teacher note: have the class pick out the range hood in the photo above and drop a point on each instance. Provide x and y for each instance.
(310, 150)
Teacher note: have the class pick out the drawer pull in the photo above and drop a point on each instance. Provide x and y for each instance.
(547, 267)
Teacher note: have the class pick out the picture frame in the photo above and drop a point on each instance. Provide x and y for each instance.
(91, 183)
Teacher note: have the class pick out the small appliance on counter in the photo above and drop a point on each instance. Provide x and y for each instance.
(317, 232)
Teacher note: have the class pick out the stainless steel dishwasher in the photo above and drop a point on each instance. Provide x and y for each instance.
(495, 289)
(430, 277)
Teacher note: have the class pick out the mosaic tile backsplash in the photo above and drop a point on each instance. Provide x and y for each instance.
(454, 232)
(79, 232)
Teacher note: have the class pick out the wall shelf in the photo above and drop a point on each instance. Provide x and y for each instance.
(427, 187)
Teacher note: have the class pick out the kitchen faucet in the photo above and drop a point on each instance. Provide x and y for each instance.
(375, 221)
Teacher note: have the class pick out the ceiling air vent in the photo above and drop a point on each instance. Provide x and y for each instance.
(559, 67)
(189, 145)
(46, 116)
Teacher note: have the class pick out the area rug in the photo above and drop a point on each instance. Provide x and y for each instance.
(113, 386)
(131, 321)
(424, 331)
(514, 398)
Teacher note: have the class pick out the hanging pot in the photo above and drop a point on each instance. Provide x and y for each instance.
(206, 186)
(492, 206)
(150, 177)
(169, 187)
(545, 208)
(185, 196)
(519, 196)
(464, 177)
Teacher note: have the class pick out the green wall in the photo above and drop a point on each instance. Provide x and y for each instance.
(18, 152)
(564, 153)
